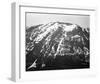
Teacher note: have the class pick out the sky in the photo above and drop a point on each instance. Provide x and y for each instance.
(37, 18)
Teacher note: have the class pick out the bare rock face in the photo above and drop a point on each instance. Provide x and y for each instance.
(57, 45)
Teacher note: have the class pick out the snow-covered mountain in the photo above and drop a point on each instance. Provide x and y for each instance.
(56, 39)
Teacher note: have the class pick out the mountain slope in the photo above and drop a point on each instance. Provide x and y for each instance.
(57, 40)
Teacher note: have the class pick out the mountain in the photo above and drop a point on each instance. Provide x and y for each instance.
(57, 45)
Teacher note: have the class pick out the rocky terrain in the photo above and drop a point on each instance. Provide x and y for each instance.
(57, 45)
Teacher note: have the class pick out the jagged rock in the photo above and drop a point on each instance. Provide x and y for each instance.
(57, 39)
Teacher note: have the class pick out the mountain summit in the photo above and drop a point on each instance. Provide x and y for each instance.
(57, 40)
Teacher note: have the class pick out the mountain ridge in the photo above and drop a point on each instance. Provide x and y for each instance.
(58, 38)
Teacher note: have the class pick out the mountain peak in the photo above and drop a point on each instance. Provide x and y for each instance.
(58, 39)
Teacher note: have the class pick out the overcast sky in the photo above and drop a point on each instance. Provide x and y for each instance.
(35, 19)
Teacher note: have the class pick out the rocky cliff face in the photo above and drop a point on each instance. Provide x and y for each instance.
(57, 45)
